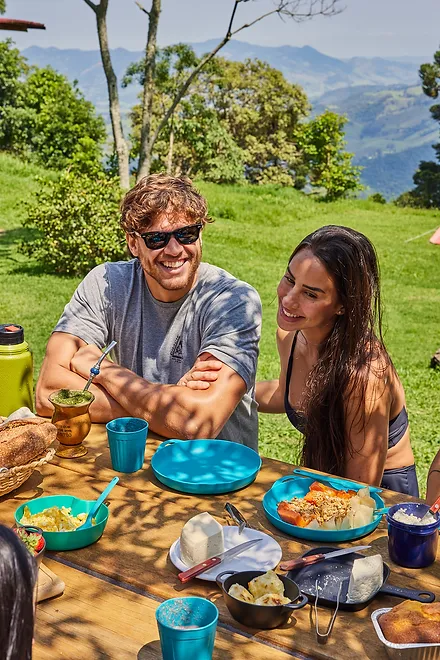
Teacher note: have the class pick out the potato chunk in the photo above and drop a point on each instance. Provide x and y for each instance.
(240, 593)
(269, 583)
(272, 599)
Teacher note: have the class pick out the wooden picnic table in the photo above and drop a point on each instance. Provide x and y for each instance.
(114, 586)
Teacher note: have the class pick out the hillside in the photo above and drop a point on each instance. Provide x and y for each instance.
(315, 72)
(390, 128)
(390, 131)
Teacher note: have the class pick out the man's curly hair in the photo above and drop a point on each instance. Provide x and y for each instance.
(162, 195)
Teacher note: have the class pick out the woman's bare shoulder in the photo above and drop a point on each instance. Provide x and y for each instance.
(284, 340)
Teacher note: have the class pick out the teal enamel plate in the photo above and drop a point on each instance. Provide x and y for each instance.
(288, 487)
(205, 467)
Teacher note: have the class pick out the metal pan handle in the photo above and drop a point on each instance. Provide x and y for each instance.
(303, 600)
(412, 594)
(219, 580)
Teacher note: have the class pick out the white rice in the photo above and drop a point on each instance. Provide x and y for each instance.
(410, 519)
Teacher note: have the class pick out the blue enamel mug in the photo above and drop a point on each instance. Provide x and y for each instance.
(187, 628)
(412, 546)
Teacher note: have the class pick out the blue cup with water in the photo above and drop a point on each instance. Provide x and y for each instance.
(187, 628)
(127, 437)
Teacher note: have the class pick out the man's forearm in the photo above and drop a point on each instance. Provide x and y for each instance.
(171, 410)
(103, 409)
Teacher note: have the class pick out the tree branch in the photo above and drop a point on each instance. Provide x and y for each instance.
(141, 7)
(92, 5)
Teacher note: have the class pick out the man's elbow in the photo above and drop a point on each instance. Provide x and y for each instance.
(202, 427)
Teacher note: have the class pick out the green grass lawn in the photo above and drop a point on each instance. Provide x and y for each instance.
(255, 231)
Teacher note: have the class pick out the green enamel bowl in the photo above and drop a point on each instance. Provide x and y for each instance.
(78, 538)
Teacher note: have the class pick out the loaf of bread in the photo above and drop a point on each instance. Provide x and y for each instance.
(412, 622)
(22, 440)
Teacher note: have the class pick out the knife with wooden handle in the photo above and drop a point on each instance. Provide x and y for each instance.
(213, 561)
(313, 559)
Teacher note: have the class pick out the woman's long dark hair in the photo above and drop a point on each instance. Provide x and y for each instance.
(18, 573)
(344, 363)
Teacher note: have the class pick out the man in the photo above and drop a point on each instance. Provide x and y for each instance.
(167, 311)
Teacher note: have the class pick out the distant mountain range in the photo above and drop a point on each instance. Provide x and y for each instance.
(389, 130)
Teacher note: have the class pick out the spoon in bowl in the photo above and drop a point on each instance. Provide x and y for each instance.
(432, 511)
(93, 511)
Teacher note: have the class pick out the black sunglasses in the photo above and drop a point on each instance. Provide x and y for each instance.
(156, 240)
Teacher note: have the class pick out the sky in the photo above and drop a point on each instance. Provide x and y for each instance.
(369, 28)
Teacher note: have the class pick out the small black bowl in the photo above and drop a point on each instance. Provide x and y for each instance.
(259, 616)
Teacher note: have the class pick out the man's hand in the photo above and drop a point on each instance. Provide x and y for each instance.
(204, 372)
(84, 359)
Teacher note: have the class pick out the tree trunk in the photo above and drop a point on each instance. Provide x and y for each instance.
(147, 101)
(121, 145)
(170, 150)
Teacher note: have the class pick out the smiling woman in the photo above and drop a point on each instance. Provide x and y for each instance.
(337, 384)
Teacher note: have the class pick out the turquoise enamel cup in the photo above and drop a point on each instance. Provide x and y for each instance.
(187, 628)
(127, 437)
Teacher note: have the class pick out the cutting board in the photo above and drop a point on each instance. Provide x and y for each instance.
(48, 584)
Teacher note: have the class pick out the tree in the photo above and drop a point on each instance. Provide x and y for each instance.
(46, 119)
(2, 6)
(426, 193)
(297, 10)
(121, 145)
(262, 111)
(325, 163)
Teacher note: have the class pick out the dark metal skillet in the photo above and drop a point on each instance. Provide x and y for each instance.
(331, 572)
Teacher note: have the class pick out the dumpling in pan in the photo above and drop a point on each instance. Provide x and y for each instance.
(240, 593)
(269, 583)
(272, 599)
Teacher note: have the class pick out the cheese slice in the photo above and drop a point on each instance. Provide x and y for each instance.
(365, 579)
(201, 538)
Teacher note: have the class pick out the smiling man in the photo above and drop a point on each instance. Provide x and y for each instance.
(166, 309)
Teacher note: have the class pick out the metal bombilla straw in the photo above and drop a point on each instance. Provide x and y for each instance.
(94, 371)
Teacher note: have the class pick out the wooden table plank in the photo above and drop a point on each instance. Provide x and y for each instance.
(146, 517)
(95, 619)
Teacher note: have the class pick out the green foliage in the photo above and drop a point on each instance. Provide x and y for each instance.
(328, 166)
(2, 6)
(377, 198)
(426, 194)
(45, 119)
(77, 222)
(12, 67)
(262, 111)
(195, 142)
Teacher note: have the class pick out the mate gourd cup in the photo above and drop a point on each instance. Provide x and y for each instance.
(72, 419)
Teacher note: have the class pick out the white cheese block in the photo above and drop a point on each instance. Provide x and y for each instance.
(365, 579)
(201, 538)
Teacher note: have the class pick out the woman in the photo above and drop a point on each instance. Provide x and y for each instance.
(18, 574)
(433, 480)
(337, 383)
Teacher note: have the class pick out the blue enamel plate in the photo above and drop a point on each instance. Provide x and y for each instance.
(205, 466)
(295, 486)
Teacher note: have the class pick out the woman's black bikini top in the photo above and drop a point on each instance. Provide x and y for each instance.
(397, 426)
